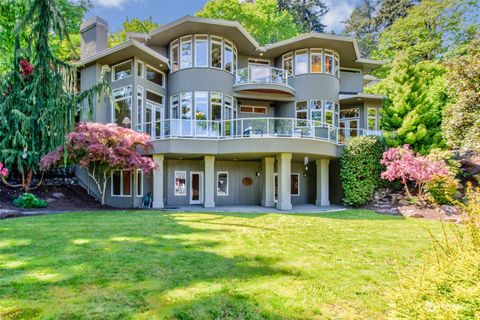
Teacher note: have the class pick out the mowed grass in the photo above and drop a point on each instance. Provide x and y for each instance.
(157, 265)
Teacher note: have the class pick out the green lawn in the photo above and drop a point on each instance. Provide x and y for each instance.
(153, 265)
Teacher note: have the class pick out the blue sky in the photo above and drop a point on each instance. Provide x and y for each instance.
(164, 11)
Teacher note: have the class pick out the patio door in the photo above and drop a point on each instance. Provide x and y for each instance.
(154, 119)
(196, 187)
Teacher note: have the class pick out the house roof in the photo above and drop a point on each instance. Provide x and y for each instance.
(124, 51)
(351, 99)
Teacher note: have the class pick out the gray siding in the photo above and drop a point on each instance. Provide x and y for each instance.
(316, 86)
(200, 79)
(351, 82)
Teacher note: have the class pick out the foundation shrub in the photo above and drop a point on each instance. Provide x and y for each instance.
(360, 169)
(29, 201)
(446, 285)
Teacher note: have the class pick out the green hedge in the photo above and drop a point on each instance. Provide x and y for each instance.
(360, 169)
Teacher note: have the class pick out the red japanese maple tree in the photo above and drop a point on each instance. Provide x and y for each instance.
(102, 149)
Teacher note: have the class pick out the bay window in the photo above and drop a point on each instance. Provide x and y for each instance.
(186, 112)
(228, 56)
(186, 52)
(316, 60)
(201, 51)
(301, 61)
(216, 111)
(174, 55)
(329, 62)
(329, 112)
(316, 112)
(216, 52)
(287, 63)
(201, 112)
(301, 110)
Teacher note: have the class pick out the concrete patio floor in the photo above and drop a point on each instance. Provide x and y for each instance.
(300, 208)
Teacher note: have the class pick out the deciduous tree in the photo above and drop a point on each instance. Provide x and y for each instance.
(102, 149)
(134, 25)
(261, 18)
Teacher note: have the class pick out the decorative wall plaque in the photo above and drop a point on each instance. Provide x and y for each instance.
(247, 181)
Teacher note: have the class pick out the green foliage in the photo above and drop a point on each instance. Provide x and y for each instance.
(417, 95)
(308, 14)
(362, 25)
(446, 286)
(29, 201)
(391, 10)
(37, 108)
(461, 119)
(13, 11)
(134, 25)
(432, 29)
(448, 157)
(261, 18)
(360, 169)
(441, 189)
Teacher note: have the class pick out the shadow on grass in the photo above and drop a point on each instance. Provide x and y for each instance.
(115, 265)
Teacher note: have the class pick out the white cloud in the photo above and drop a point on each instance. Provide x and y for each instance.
(339, 11)
(118, 4)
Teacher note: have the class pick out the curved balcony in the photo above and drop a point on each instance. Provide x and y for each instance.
(263, 80)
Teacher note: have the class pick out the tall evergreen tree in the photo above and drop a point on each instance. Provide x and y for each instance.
(38, 101)
(308, 14)
(417, 94)
(362, 25)
(391, 10)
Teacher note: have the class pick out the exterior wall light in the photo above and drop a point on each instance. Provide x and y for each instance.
(257, 173)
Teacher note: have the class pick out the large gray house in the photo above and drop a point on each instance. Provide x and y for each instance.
(232, 122)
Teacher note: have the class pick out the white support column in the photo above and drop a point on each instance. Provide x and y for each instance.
(209, 197)
(323, 196)
(267, 182)
(284, 180)
(158, 182)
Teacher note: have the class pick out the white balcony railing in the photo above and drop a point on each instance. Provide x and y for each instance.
(262, 75)
(250, 128)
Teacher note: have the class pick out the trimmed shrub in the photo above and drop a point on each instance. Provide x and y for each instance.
(441, 189)
(29, 201)
(360, 169)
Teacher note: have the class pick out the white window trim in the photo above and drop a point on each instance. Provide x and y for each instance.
(143, 68)
(229, 44)
(320, 51)
(354, 118)
(324, 107)
(376, 117)
(205, 38)
(210, 105)
(307, 109)
(228, 183)
(253, 109)
(113, 70)
(115, 100)
(183, 40)
(329, 53)
(173, 44)
(292, 57)
(175, 173)
(155, 93)
(139, 187)
(303, 51)
(322, 110)
(298, 179)
(217, 40)
(161, 72)
(121, 195)
(142, 113)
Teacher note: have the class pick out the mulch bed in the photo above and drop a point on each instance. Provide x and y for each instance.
(65, 197)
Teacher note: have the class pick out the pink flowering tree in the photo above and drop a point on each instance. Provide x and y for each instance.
(102, 149)
(402, 164)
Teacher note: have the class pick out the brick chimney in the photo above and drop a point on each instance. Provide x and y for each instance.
(94, 34)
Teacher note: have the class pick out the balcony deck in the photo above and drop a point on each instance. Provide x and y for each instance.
(263, 80)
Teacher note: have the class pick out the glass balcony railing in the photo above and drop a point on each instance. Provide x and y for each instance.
(262, 75)
(251, 128)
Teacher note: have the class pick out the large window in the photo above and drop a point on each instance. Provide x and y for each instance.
(228, 56)
(287, 63)
(174, 55)
(329, 62)
(329, 112)
(122, 70)
(121, 184)
(155, 76)
(316, 60)
(222, 183)
(186, 112)
(122, 111)
(180, 183)
(301, 61)
(301, 113)
(373, 118)
(174, 112)
(201, 51)
(186, 52)
(216, 52)
(316, 112)
(201, 112)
